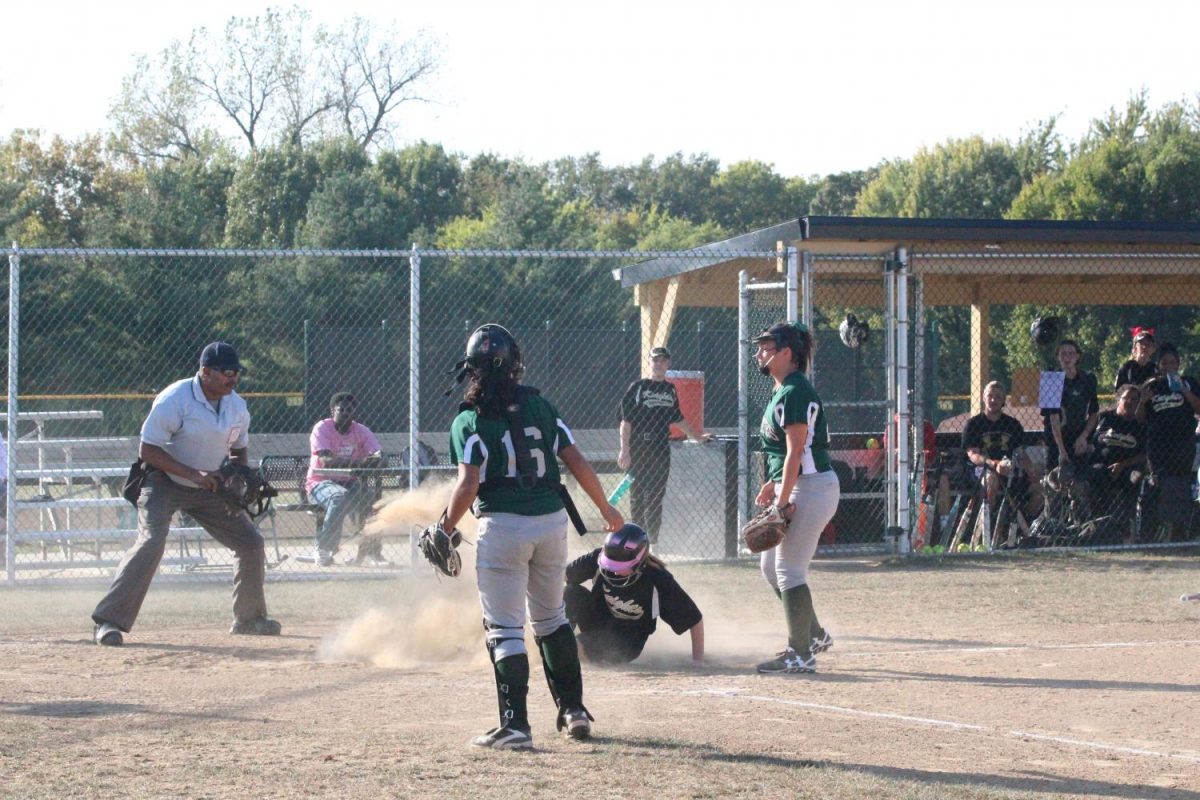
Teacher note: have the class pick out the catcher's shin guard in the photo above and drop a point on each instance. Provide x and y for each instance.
(512, 688)
(560, 662)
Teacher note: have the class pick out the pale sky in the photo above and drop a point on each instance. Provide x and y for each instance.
(811, 88)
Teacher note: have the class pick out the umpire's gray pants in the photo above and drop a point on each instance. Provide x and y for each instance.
(161, 497)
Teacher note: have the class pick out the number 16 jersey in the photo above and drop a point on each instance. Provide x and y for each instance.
(486, 442)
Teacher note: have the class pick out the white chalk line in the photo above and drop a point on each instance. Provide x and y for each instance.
(927, 721)
(1003, 648)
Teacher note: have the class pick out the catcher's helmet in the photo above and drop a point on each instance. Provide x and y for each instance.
(491, 352)
(853, 331)
(624, 554)
(1044, 331)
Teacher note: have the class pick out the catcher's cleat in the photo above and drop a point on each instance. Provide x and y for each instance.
(504, 738)
(577, 723)
(821, 643)
(788, 661)
(108, 635)
(259, 626)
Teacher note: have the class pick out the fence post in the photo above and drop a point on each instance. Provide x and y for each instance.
(743, 406)
(903, 473)
(414, 366)
(10, 442)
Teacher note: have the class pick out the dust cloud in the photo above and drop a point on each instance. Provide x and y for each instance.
(433, 618)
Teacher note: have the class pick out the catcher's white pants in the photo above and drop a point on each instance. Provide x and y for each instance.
(521, 563)
(815, 496)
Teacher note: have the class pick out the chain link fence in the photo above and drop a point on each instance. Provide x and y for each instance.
(101, 332)
(1096, 298)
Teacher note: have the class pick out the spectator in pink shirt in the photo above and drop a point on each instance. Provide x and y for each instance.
(339, 443)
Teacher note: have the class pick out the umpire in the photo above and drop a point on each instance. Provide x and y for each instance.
(193, 425)
(648, 408)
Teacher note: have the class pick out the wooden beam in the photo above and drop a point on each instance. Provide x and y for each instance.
(980, 344)
(658, 316)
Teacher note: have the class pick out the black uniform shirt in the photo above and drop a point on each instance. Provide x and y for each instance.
(634, 609)
(1170, 429)
(1117, 438)
(650, 407)
(995, 439)
(1079, 401)
(1133, 372)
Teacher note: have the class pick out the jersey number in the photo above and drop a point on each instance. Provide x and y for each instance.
(538, 455)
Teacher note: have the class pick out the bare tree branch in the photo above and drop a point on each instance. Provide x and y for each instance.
(376, 78)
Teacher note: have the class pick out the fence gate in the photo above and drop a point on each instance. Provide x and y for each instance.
(846, 304)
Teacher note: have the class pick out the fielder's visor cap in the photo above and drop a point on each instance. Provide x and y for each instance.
(220, 355)
(660, 351)
(780, 331)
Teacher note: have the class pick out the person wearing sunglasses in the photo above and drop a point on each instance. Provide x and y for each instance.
(193, 425)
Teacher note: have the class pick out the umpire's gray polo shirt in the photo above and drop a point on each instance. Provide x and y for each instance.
(192, 430)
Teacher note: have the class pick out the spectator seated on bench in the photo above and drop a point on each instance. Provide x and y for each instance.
(337, 445)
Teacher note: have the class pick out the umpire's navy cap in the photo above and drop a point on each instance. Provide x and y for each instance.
(219, 355)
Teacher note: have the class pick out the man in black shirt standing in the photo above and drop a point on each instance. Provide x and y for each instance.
(648, 408)
(1169, 405)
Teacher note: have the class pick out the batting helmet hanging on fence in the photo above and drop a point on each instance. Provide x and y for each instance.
(853, 331)
(1044, 331)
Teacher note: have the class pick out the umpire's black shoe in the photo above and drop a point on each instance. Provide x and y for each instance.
(505, 738)
(108, 635)
(259, 626)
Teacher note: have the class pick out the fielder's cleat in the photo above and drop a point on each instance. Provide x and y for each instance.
(577, 722)
(259, 626)
(505, 738)
(821, 643)
(108, 635)
(788, 661)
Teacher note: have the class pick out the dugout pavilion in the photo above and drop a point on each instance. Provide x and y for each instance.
(892, 270)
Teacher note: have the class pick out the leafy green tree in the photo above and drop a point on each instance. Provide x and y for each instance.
(751, 195)
(965, 178)
(429, 181)
(836, 195)
(269, 197)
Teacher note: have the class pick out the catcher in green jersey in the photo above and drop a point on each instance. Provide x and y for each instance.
(507, 440)
(800, 482)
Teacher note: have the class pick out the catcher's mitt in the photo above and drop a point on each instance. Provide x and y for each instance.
(439, 547)
(765, 529)
(244, 489)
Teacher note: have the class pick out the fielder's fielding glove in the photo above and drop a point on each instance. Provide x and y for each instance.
(765, 529)
(439, 547)
(244, 489)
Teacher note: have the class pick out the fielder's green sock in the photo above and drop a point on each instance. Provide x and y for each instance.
(798, 609)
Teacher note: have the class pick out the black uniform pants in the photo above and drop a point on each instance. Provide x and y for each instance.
(650, 466)
(601, 639)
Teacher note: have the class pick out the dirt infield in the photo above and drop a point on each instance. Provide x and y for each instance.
(1049, 676)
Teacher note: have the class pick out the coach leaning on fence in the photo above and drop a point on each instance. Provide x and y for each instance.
(193, 424)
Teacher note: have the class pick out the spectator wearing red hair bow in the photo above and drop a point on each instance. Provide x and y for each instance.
(1139, 368)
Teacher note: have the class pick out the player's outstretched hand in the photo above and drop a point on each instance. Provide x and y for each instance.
(612, 518)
